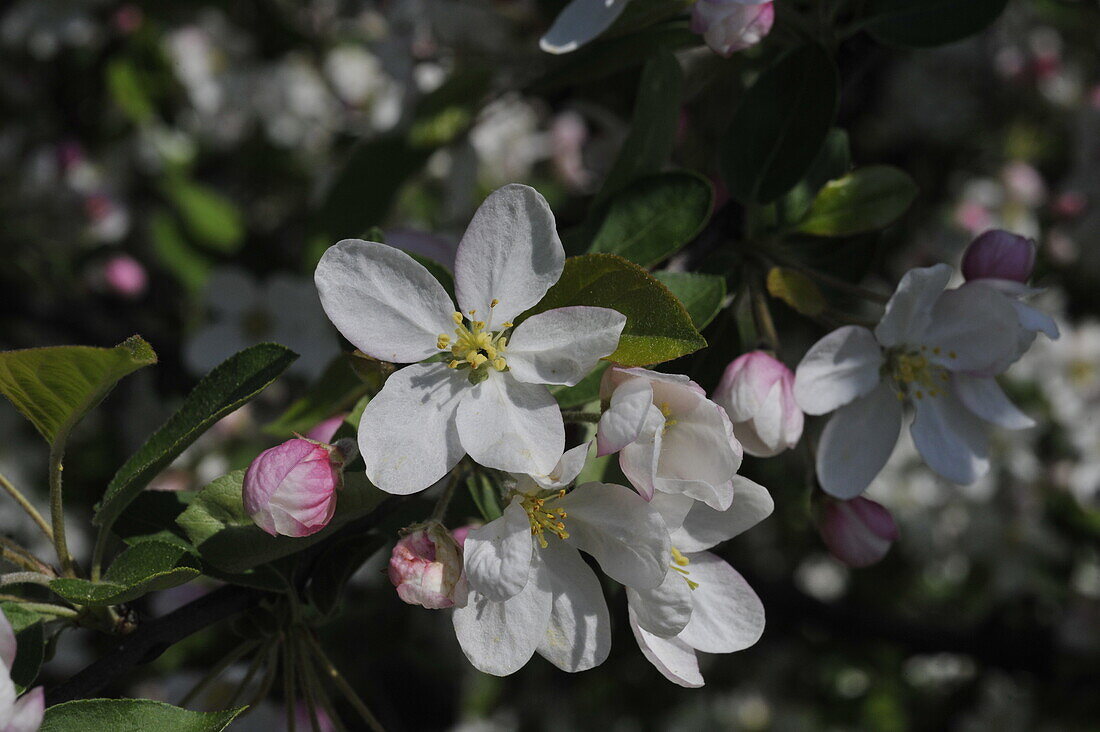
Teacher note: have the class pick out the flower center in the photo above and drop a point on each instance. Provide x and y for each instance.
(679, 561)
(670, 421)
(545, 519)
(475, 346)
(915, 375)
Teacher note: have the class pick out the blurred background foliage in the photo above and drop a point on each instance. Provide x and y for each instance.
(176, 170)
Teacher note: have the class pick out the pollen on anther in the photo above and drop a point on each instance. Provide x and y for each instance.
(457, 317)
(494, 303)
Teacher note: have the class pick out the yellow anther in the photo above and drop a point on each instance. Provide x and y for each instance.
(952, 354)
(443, 342)
(476, 360)
(679, 558)
(501, 342)
(457, 317)
(494, 303)
(499, 364)
(508, 324)
(453, 364)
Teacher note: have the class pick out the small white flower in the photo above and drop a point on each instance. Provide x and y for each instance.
(529, 588)
(488, 399)
(669, 436)
(935, 350)
(703, 604)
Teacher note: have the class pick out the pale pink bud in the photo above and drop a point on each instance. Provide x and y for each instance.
(858, 532)
(999, 255)
(324, 430)
(729, 26)
(124, 276)
(290, 489)
(426, 567)
(757, 393)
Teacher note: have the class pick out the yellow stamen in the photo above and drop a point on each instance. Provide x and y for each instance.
(494, 303)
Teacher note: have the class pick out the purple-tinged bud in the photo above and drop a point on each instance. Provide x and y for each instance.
(999, 255)
(858, 532)
(757, 393)
(426, 567)
(729, 26)
(290, 489)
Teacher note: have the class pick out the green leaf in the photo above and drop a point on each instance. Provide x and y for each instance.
(173, 251)
(143, 568)
(779, 126)
(864, 200)
(227, 538)
(584, 391)
(486, 494)
(658, 328)
(833, 161)
(132, 715)
(336, 565)
(126, 88)
(701, 294)
(337, 390)
(652, 134)
(654, 217)
(209, 216)
(55, 387)
(30, 640)
(231, 384)
(923, 23)
(797, 290)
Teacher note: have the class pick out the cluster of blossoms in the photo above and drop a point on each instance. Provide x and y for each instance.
(478, 385)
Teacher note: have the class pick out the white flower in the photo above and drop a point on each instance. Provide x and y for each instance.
(529, 588)
(933, 349)
(704, 604)
(669, 436)
(489, 401)
(23, 714)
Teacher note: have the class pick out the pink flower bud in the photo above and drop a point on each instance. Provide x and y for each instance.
(124, 276)
(732, 25)
(757, 393)
(324, 430)
(858, 532)
(290, 489)
(426, 567)
(999, 255)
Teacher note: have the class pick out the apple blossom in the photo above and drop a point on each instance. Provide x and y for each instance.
(858, 532)
(487, 397)
(529, 589)
(932, 350)
(703, 604)
(999, 255)
(426, 567)
(290, 489)
(729, 26)
(756, 390)
(17, 714)
(669, 436)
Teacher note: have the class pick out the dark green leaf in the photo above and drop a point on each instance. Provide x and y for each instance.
(797, 290)
(132, 715)
(486, 494)
(211, 218)
(55, 387)
(30, 641)
(658, 328)
(864, 200)
(141, 569)
(337, 390)
(233, 383)
(701, 294)
(924, 23)
(227, 538)
(654, 217)
(833, 161)
(779, 126)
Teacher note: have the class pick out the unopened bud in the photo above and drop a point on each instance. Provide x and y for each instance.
(729, 26)
(858, 532)
(290, 489)
(999, 255)
(756, 391)
(426, 567)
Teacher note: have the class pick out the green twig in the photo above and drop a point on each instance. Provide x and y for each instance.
(307, 687)
(27, 506)
(288, 683)
(253, 668)
(16, 554)
(219, 668)
(341, 684)
(269, 678)
(45, 608)
(322, 695)
(25, 578)
(578, 416)
(57, 509)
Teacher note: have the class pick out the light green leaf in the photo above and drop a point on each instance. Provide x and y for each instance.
(233, 383)
(833, 161)
(701, 294)
(227, 538)
(209, 216)
(797, 290)
(864, 200)
(654, 217)
(132, 715)
(923, 23)
(143, 568)
(126, 88)
(658, 328)
(30, 639)
(55, 387)
(337, 390)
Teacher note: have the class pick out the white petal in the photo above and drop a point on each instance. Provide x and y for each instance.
(840, 367)
(7, 642)
(617, 527)
(984, 397)
(699, 456)
(407, 435)
(857, 442)
(562, 346)
(704, 527)
(674, 658)
(910, 308)
(664, 610)
(383, 301)
(579, 23)
(728, 615)
(567, 469)
(7, 697)
(1035, 320)
(971, 329)
(624, 419)
(510, 252)
(951, 440)
(640, 458)
(578, 636)
(27, 713)
(512, 426)
(497, 556)
(500, 637)
(673, 507)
